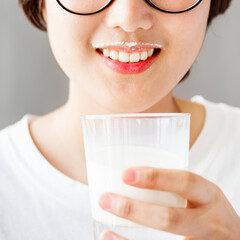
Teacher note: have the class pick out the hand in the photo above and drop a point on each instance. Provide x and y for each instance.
(209, 214)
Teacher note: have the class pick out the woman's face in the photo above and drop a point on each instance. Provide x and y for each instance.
(73, 38)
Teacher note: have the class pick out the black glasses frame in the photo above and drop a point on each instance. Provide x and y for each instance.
(148, 1)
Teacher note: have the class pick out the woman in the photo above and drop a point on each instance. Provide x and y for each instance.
(127, 57)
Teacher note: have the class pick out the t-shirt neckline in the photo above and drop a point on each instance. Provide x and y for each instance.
(39, 168)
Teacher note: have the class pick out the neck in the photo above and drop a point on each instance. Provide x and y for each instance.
(79, 103)
(58, 135)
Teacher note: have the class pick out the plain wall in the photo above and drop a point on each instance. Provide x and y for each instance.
(31, 81)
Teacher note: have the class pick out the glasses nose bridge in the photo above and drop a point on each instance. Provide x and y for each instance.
(111, 2)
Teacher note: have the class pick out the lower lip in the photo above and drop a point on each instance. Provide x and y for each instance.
(129, 68)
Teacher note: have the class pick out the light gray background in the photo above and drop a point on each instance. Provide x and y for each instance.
(31, 81)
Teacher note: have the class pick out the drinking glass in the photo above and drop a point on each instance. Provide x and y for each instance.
(115, 142)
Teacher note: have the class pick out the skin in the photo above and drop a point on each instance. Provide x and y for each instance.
(96, 89)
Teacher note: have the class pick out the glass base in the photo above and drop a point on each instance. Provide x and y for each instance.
(134, 233)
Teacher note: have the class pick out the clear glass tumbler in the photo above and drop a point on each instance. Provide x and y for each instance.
(115, 142)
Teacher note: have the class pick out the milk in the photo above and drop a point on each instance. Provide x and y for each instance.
(105, 167)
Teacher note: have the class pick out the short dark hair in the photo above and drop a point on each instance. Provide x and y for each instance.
(33, 11)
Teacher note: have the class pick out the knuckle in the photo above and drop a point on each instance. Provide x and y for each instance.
(217, 231)
(167, 219)
(187, 181)
(216, 192)
(152, 177)
(225, 234)
(125, 208)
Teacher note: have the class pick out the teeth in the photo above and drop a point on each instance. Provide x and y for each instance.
(127, 57)
(114, 55)
(134, 57)
(144, 55)
(106, 52)
(123, 57)
(150, 52)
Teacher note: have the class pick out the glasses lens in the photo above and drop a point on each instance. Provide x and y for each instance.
(174, 5)
(84, 6)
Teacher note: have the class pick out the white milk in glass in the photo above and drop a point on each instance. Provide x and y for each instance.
(105, 167)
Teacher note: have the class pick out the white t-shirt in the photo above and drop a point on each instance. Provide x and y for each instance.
(38, 202)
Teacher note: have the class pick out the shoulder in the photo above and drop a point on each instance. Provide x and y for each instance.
(224, 118)
(5, 141)
(220, 111)
(9, 136)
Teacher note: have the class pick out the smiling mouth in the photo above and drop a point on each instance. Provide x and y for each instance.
(129, 56)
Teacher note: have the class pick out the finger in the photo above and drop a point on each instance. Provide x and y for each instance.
(108, 235)
(188, 185)
(179, 221)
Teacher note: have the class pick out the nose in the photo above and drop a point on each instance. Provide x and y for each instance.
(129, 15)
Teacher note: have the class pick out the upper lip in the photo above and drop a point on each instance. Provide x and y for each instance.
(128, 47)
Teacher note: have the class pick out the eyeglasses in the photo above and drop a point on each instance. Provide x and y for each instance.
(89, 7)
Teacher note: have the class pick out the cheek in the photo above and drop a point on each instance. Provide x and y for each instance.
(186, 33)
(69, 38)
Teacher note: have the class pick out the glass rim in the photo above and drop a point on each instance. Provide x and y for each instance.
(134, 115)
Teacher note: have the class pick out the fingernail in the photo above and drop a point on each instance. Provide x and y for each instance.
(130, 175)
(105, 202)
(107, 236)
